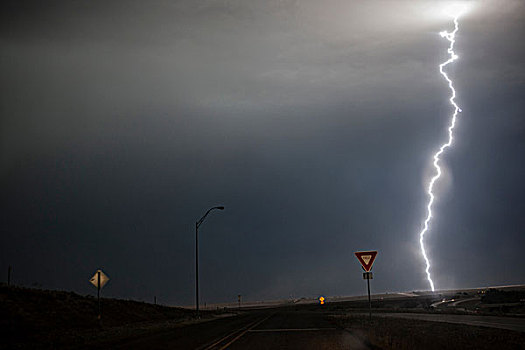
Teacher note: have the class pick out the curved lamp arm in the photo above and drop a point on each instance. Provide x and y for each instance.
(204, 217)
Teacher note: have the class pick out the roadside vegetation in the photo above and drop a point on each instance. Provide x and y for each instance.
(41, 319)
(489, 302)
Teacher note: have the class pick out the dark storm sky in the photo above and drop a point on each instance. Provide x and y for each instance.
(313, 122)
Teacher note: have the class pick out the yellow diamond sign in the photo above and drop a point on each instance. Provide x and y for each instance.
(99, 276)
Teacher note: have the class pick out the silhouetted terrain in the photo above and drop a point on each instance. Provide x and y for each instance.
(33, 316)
(466, 319)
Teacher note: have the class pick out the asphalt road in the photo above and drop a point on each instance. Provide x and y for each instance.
(282, 329)
(262, 330)
(295, 330)
(510, 323)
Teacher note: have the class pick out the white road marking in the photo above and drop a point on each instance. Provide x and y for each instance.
(292, 330)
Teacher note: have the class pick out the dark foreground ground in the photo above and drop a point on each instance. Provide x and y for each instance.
(34, 319)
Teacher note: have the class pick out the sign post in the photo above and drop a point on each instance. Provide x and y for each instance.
(367, 260)
(9, 269)
(99, 279)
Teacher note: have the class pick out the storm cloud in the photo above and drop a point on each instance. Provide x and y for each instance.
(313, 123)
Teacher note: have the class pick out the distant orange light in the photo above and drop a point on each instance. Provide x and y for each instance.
(321, 300)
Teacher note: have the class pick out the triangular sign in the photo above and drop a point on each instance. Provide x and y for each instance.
(366, 259)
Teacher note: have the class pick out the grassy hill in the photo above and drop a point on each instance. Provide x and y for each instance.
(40, 318)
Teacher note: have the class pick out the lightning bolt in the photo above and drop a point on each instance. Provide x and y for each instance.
(451, 37)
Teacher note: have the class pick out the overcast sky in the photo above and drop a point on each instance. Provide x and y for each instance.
(312, 122)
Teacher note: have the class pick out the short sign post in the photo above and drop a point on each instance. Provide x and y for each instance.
(9, 269)
(367, 260)
(99, 279)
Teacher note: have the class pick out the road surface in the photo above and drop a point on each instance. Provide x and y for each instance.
(263, 330)
(510, 323)
(295, 330)
(282, 329)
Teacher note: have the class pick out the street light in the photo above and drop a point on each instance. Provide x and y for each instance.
(197, 224)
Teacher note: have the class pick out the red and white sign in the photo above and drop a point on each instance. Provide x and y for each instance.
(366, 259)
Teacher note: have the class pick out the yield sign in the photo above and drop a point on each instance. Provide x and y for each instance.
(103, 279)
(366, 259)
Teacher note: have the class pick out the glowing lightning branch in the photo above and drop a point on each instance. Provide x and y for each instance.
(451, 38)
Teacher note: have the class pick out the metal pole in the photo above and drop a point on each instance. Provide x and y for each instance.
(369, 301)
(98, 294)
(197, 268)
(9, 275)
(197, 224)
